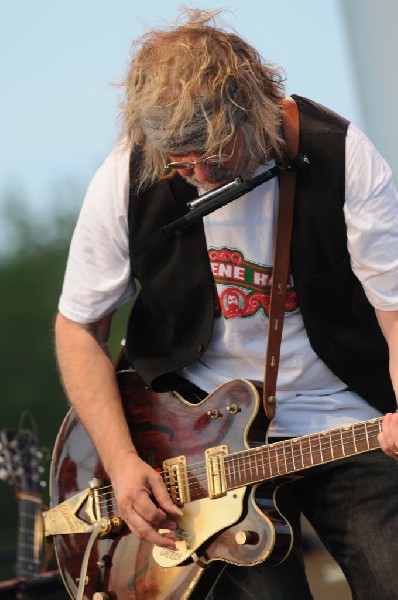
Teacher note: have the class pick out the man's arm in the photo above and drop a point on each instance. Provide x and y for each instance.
(88, 376)
(388, 321)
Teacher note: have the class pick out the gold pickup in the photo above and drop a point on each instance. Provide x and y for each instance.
(175, 479)
(216, 471)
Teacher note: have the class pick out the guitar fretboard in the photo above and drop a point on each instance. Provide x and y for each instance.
(289, 456)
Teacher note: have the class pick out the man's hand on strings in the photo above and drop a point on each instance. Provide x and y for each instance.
(143, 501)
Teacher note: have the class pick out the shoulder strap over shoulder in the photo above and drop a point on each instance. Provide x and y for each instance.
(287, 183)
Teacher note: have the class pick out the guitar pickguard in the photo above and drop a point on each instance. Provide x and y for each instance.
(202, 519)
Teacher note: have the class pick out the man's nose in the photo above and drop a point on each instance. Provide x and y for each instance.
(202, 171)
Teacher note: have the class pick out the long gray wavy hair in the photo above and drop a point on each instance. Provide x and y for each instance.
(193, 71)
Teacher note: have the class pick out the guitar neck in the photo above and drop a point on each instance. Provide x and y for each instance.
(30, 535)
(289, 456)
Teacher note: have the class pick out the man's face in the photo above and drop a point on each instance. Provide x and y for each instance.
(210, 175)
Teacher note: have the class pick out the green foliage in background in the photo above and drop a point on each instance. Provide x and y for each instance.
(32, 264)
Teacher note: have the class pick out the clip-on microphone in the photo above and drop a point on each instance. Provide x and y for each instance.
(224, 194)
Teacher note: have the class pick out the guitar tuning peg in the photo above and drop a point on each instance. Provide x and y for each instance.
(3, 474)
(43, 484)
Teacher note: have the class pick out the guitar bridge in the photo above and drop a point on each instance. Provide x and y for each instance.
(216, 471)
(175, 479)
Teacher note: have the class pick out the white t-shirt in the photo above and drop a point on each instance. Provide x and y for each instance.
(240, 239)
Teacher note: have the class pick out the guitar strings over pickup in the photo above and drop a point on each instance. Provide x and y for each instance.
(176, 480)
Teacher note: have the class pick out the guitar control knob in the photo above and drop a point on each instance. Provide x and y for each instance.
(244, 538)
(214, 413)
(101, 596)
(233, 409)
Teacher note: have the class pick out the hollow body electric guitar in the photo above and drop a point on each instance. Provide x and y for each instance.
(215, 465)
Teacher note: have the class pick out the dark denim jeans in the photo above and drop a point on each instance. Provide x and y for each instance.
(353, 506)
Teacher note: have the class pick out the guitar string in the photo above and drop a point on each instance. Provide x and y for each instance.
(271, 462)
(249, 454)
(293, 449)
(297, 444)
(197, 491)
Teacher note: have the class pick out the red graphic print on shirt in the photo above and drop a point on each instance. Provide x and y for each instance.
(244, 287)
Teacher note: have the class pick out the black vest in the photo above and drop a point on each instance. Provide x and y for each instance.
(171, 321)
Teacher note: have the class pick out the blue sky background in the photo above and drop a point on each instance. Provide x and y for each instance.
(59, 61)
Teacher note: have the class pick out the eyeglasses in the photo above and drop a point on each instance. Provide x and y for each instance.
(216, 159)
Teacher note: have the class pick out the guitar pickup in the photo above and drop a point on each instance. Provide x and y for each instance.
(175, 479)
(216, 471)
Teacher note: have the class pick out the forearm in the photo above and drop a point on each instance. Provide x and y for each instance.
(89, 380)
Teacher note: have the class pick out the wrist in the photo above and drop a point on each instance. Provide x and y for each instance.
(116, 460)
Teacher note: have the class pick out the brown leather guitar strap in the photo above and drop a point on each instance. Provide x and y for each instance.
(287, 183)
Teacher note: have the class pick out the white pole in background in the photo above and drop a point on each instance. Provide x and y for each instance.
(371, 27)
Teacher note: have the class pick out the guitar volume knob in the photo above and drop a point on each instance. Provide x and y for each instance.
(233, 409)
(214, 413)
